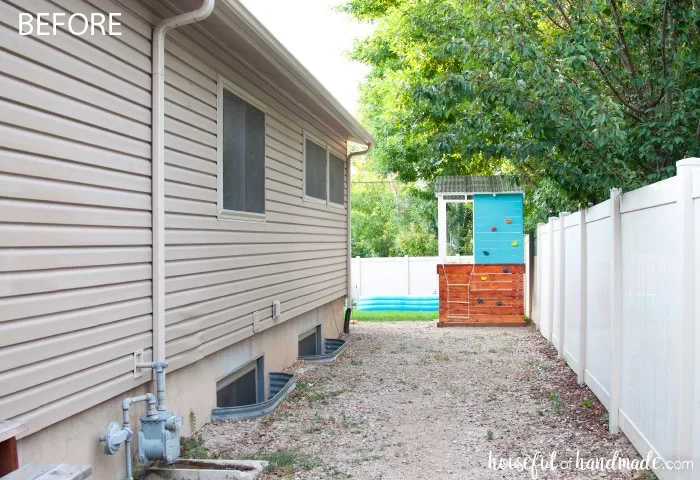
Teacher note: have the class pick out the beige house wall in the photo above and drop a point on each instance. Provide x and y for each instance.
(189, 389)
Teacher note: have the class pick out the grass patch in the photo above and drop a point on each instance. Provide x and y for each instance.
(394, 316)
(286, 462)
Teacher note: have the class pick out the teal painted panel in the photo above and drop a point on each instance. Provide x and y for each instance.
(492, 211)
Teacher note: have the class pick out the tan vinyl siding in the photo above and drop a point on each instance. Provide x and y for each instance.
(75, 220)
(219, 271)
(75, 211)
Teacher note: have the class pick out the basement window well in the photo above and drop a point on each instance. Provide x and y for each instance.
(241, 394)
(310, 342)
(245, 386)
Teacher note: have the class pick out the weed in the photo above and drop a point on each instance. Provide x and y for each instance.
(587, 404)
(344, 419)
(355, 363)
(193, 421)
(493, 350)
(605, 417)
(556, 401)
(286, 462)
(540, 413)
(193, 447)
(489, 435)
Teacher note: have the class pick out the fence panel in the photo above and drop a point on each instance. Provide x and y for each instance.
(637, 342)
(572, 290)
(651, 318)
(423, 277)
(598, 322)
(545, 296)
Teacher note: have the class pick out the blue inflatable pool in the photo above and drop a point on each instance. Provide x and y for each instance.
(407, 303)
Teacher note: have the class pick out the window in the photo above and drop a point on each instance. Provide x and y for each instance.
(310, 343)
(324, 174)
(245, 386)
(241, 155)
(336, 179)
(316, 163)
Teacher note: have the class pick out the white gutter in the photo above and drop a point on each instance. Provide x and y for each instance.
(158, 167)
(348, 166)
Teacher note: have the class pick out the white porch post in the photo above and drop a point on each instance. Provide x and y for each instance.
(442, 228)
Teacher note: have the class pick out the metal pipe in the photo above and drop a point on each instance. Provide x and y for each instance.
(158, 166)
(159, 368)
(126, 424)
(348, 166)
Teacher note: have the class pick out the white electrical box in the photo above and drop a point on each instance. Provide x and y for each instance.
(276, 309)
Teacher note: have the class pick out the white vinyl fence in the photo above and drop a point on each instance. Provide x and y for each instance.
(615, 291)
(394, 276)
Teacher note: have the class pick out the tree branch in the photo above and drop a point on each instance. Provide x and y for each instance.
(626, 58)
(624, 102)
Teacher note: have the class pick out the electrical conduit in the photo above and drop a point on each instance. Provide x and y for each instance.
(158, 166)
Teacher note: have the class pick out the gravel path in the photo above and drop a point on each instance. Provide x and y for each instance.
(411, 401)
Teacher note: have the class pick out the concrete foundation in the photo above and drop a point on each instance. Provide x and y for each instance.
(191, 392)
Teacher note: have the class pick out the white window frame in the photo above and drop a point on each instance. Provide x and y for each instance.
(221, 212)
(329, 149)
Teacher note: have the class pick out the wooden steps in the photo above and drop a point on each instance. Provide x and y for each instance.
(481, 295)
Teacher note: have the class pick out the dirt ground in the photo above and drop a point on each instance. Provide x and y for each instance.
(411, 401)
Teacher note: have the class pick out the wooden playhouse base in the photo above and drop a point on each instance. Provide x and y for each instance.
(481, 295)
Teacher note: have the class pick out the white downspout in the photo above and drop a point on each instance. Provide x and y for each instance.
(348, 175)
(158, 167)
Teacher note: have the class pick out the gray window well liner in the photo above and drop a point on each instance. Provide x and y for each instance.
(281, 385)
(333, 348)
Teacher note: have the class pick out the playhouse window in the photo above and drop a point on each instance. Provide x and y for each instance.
(241, 172)
(245, 386)
(310, 342)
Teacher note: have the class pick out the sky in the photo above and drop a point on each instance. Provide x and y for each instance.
(319, 38)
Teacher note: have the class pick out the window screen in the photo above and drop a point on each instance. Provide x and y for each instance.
(336, 179)
(315, 171)
(243, 155)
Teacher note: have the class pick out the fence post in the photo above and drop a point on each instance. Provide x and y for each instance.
(583, 299)
(528, 268)
(359, 277)
(562, 282)
(551, 277)
(616, 312)
(539, 275)
(408, 275)
(685, 170)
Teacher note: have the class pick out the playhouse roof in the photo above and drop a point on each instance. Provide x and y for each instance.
(476, 184)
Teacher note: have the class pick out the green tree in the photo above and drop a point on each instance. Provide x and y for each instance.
(391, 218)
(573, 97)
